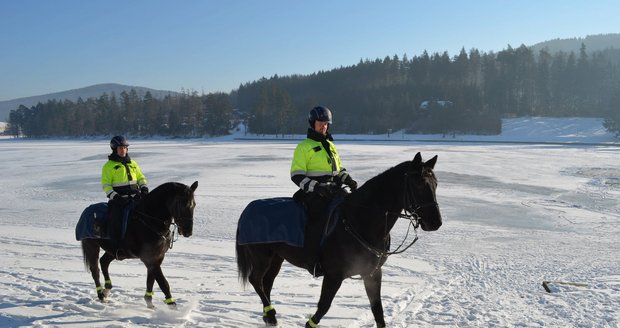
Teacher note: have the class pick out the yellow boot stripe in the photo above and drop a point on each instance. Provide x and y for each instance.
(267, 309)
(312, 323)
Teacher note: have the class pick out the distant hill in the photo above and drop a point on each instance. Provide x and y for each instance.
(600, 42)
(87, 92)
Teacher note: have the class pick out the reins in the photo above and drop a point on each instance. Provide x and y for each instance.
(409, 212)
(165, 223)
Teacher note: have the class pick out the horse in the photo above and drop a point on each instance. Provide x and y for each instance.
(148, 237)
(358, 243)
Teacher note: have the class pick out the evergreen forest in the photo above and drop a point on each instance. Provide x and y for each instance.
(467, 93)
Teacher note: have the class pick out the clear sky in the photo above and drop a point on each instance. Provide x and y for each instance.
(215, 45)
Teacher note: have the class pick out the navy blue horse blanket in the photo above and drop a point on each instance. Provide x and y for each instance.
(272, 220)
(93, 222)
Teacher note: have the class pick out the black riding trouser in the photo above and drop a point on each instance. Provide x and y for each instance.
(316, 218)
(115, 220)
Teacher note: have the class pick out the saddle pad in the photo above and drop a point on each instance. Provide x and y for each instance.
(98, 213)
(86, 228)
(272, 220)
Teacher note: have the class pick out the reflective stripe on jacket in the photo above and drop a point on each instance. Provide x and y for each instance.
(311, 163)
(115, 180)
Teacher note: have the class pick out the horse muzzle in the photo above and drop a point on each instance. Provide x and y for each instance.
(185, 227)
(185, 232)
(430, 226)
(431, 220)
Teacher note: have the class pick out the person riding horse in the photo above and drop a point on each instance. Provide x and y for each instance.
(317, 170)
(122, 181)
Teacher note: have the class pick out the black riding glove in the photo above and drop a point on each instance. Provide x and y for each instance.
(144, 191)
(324, 189)
(346, 179)
(351, 183)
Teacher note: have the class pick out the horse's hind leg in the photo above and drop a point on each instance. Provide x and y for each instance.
(90, 251)
(271, 274)
(105, 261)
(269, 313)
(262, 277)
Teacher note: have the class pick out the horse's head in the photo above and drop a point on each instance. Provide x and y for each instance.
(181, 207)
(420, 186)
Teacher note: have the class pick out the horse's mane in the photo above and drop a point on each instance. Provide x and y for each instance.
(380, 183)
(169, 186)
(386, 176)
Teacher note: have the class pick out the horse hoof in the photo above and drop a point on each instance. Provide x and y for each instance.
(149, 302)
(270, 318)
(172, 306)
(106, 293)
(104, 300)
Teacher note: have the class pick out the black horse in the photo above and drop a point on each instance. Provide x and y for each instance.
(360, 241)
(148, 237)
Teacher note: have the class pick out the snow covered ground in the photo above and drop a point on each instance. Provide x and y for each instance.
(515, 215)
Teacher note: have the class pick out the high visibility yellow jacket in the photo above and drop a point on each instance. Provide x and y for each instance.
(313, 163)
(121, 178)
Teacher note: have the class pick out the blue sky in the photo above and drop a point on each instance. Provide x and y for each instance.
(208, 46)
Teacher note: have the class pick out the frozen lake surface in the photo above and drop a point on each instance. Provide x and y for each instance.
(515, 215)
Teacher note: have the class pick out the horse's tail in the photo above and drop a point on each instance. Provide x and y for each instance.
(84, 257)
(244, 264)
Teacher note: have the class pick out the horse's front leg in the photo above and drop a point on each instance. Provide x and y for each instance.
(330, 287)
(105, 261)
(158, 275)
(373, 290)
(148, 296)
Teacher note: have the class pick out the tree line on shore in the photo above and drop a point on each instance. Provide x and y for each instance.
(466, 93)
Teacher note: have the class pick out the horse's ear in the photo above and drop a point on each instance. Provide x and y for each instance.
(417, 160)
(194, 186)
(431, 162)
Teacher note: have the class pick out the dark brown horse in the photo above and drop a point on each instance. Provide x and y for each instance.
(360, 241)
(148, 237)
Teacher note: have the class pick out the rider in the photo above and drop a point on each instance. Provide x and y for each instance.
(317, 171)
(121, 180)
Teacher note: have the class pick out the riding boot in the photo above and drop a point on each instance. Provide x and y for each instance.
(316, 211)
(311, 248)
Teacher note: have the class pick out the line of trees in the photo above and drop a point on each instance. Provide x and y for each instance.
(381, 95)
(182, 115)
(373, 96)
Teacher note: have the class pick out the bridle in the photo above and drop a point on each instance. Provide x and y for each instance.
(167, 235)
(412, 206)
(410, 212)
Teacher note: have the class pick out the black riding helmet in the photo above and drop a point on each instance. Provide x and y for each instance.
(321, 114)
(118, 141)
